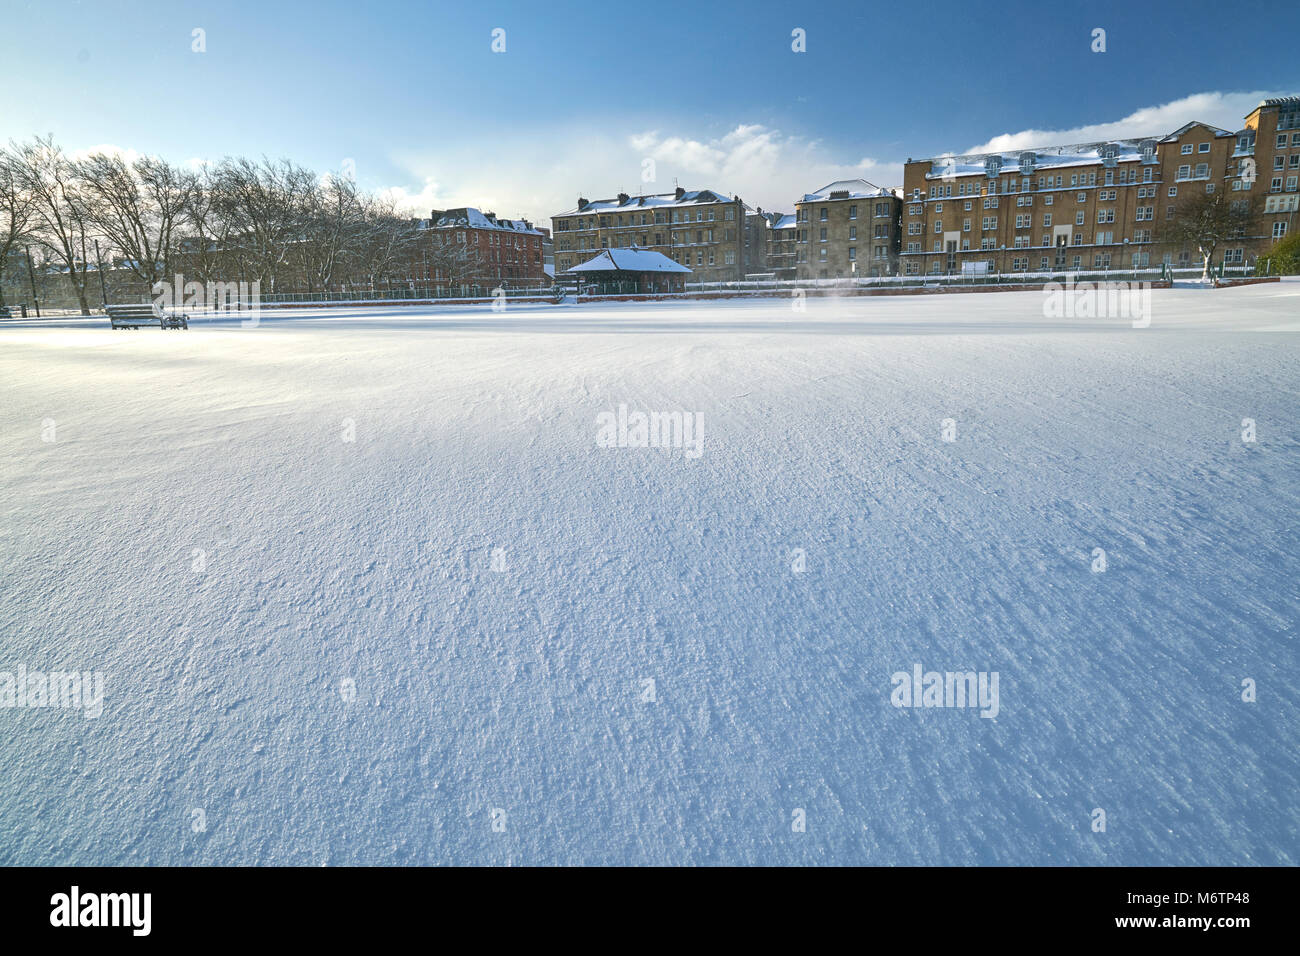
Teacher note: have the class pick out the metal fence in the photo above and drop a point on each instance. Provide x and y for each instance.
(998, 278)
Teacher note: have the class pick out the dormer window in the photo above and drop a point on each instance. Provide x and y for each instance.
(993, 165)
(1148, 151)
(1109, 154)
(1027, 161)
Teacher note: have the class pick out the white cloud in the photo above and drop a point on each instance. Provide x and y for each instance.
(761, 165)
(1225, 110)
(128, 156)
(536, 174)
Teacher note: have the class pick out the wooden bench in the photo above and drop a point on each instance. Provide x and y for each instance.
(139, 316)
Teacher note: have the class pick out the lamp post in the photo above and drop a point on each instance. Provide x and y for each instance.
(99, 264)
(31, 275)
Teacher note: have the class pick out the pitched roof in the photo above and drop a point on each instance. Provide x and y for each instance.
(630, 260)
(657, 201)
(469, 216)
(1186, 126)
(855, 189)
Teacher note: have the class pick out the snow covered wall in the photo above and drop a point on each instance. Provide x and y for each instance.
(364, 586)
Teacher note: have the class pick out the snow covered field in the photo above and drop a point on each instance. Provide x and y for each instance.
(363, 587)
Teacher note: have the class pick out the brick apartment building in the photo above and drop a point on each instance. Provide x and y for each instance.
(782, 244)
(1098, 206)
(715, 235)
(848, 228)
(1271, 141)
(491, 251)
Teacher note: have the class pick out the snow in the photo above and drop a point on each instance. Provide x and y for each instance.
(630, 260)
(854, 188)
(525, 688)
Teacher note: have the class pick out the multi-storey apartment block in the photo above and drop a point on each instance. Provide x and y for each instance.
(1268, 150)
(782, 244)
(847, 228)
(1096, 206)
(497, 252)
(715, 235)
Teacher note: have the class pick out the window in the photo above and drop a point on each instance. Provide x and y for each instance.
(1279, 229)
(1078, 218)
(938, 207)
(1173, 190)
(1203, 148)
(822, 214)
(1187, 149)
(938, 225)
(965, 225)
(1082, 197)
(967, 205)
(1105, 215)
(853, 254)
(823, 235)
(1202, 170)
(1047, 219)
(853, 214)
(853, 232)
(1184, 172)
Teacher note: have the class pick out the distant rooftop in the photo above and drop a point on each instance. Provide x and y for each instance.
(630, 260)
(626, 203)
(851, 189)
(471, 217)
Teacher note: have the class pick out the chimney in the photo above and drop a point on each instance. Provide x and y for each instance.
(680, 192)
(582, 204)
(622, 198)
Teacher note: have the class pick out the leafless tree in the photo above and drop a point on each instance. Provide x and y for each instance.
(138, 208)
(1207, 221)
(63, 225)
(16, 211)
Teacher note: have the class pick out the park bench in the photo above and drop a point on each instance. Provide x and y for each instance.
(139, 316)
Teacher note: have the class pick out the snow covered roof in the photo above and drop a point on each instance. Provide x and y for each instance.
(1032, 160)
(850, 188)
(471, 217)
(630, 260)
(626, 203)
(1108, 152)
(783, 221)
(1185, 127)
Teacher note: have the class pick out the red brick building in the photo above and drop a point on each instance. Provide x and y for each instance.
(465, 246)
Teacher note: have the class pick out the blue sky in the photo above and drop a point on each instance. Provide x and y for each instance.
(414, 97)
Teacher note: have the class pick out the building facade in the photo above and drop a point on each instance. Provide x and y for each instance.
(1268, 149)
(782, 245)
(847, 229)
(1099, 206)
(494, 252)
(713, 234)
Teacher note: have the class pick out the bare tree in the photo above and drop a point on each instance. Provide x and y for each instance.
(59, 209)
(336, 222)
(267, 208)
(16, 210)
(1207, 221)
(138, 208)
